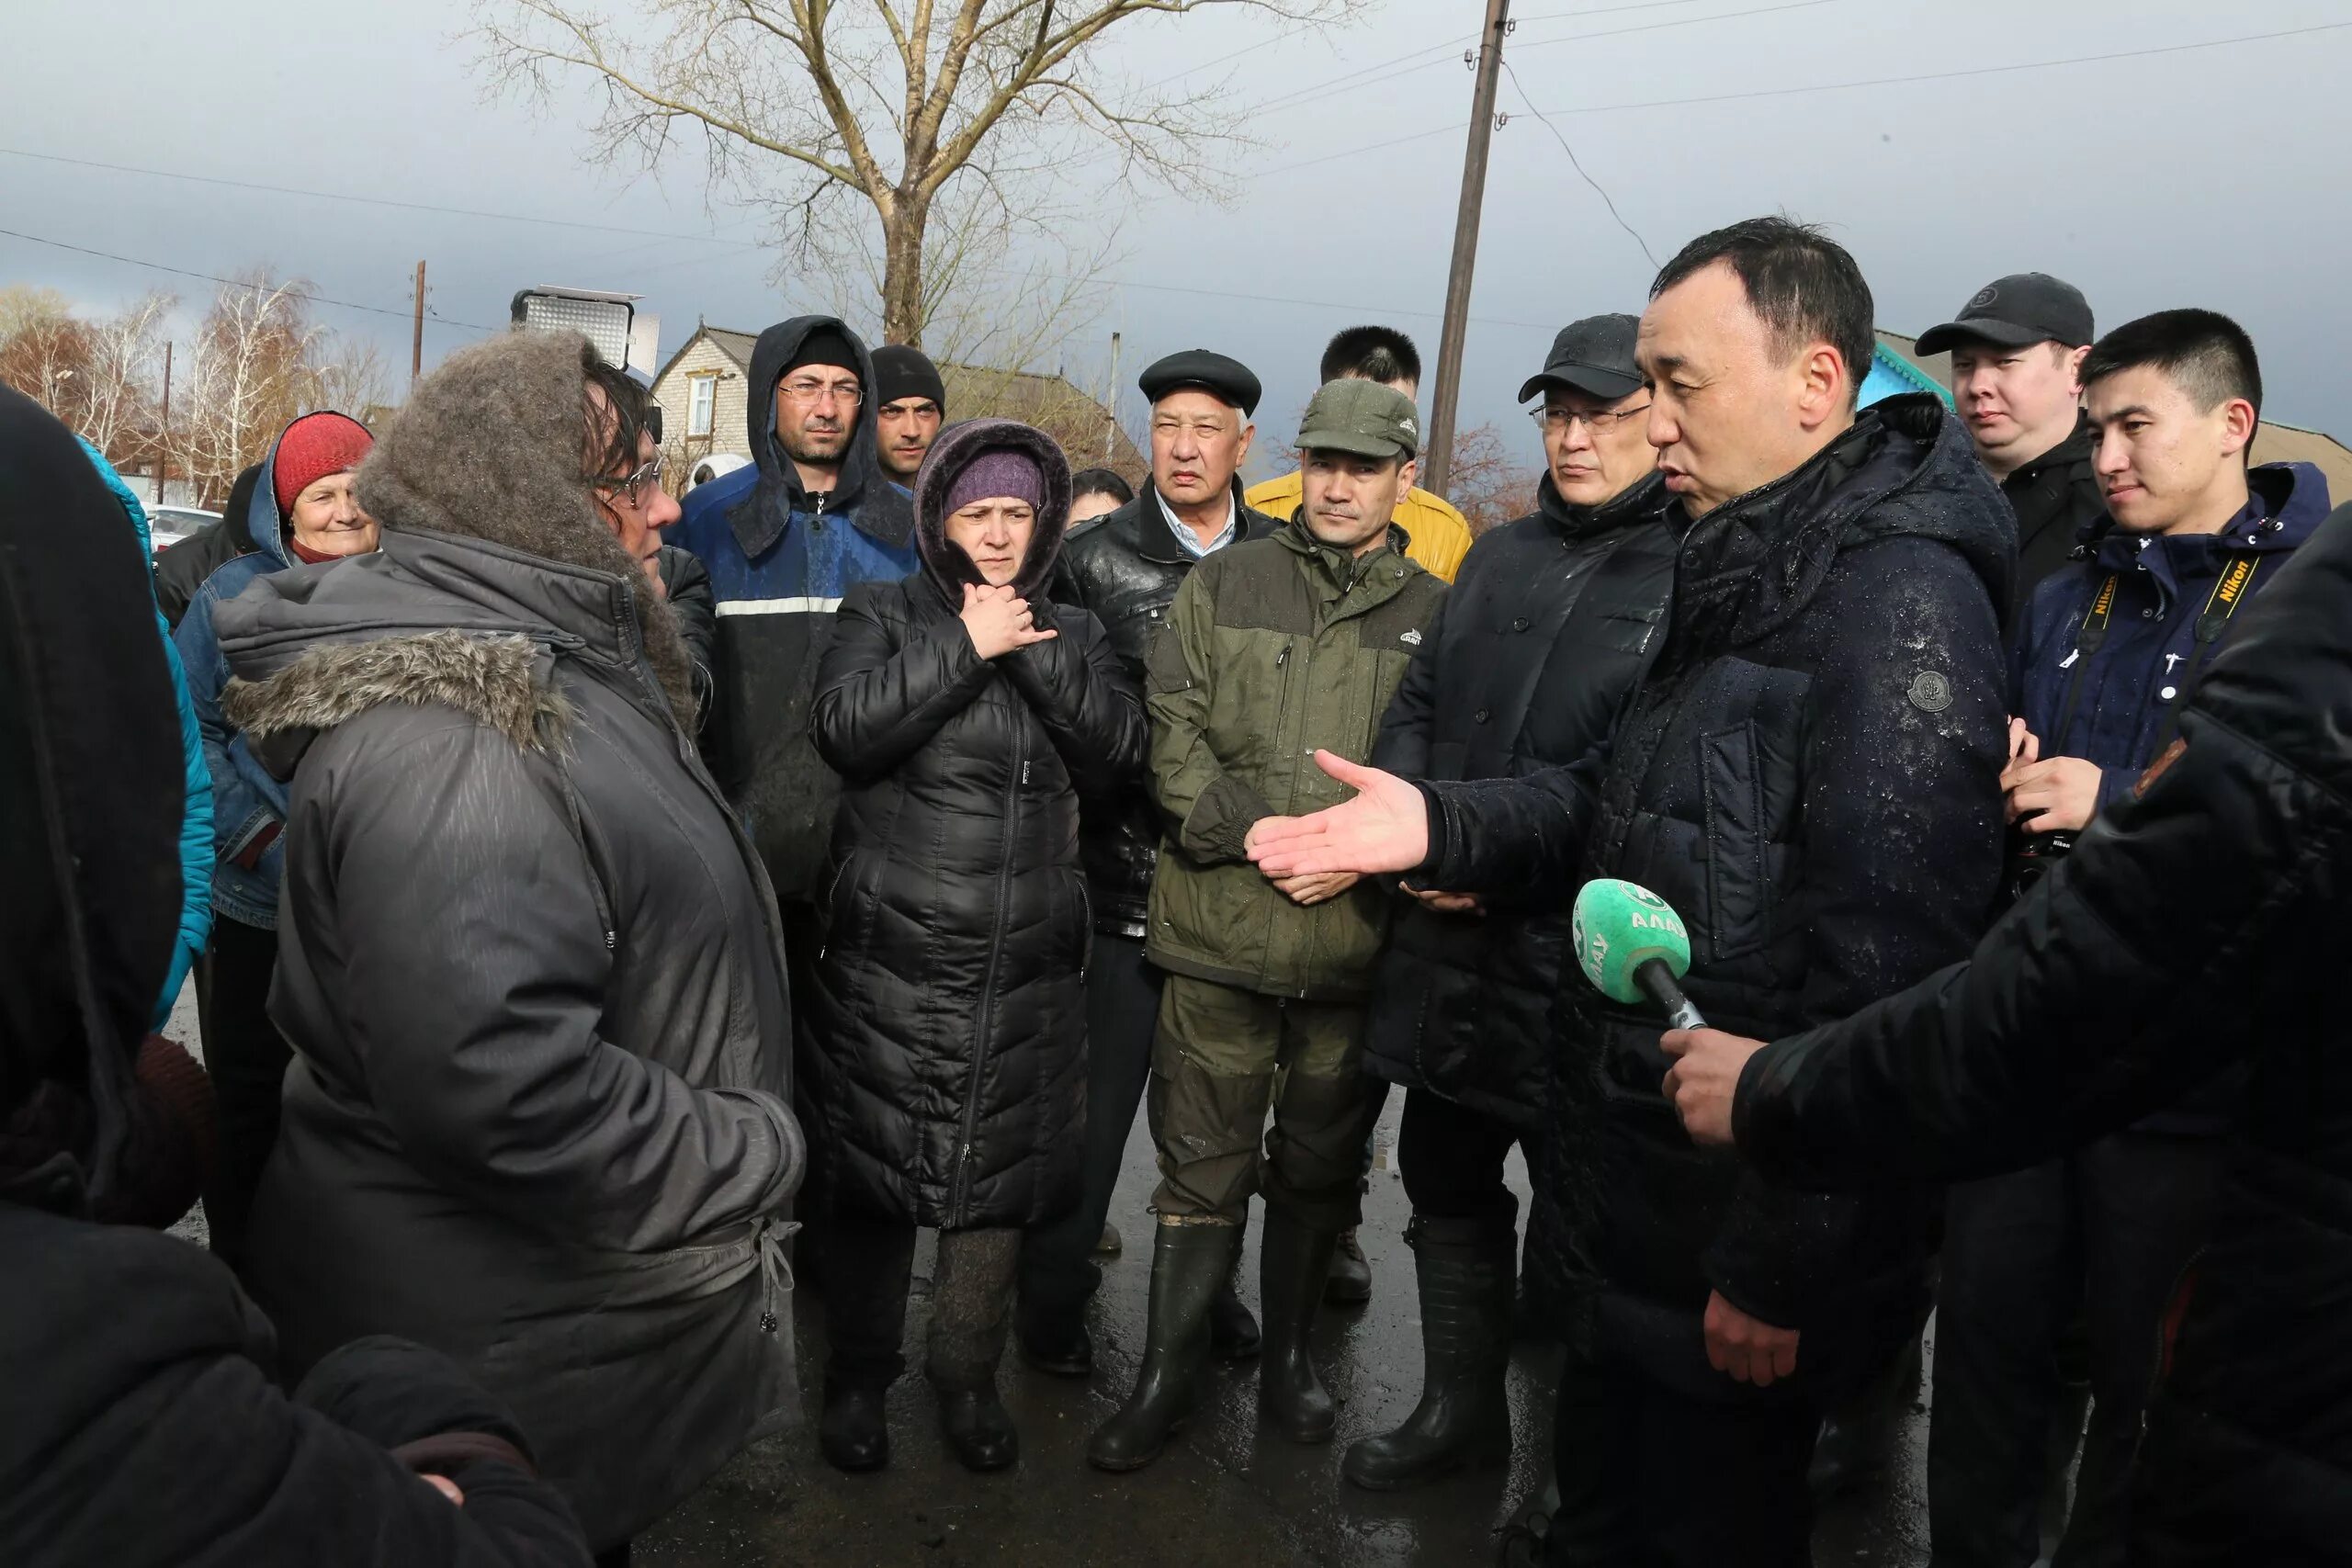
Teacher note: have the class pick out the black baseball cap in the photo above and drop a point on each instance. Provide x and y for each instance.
(2022, 308)
(1594, 356)
(1220, 376)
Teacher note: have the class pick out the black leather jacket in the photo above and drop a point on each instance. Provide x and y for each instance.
(1126, 567)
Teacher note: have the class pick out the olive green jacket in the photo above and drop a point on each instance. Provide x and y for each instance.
(1274, 648)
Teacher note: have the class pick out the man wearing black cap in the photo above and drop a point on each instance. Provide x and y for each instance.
(910, 401)
(1270, 650)
(1551, 623)
(2017, 358)
(1127, 567)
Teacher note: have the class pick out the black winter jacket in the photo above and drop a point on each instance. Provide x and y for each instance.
(1810, 775)
(1125, 568)
(183, 569)
(1551, 623)
(2060, 509)
(686, 582)
(950, 1011)
(2198, 923)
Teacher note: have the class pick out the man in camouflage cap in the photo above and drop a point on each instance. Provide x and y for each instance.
(1302, 636)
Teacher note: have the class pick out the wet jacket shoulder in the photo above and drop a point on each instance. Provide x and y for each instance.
(1124, 568)
(2060, 512)
(1273, 649)
(167, 1441)
(2197, 924)
(779, 561)
(1537, 648)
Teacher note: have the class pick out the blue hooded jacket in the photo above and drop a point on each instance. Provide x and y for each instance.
(196, 817)
(780, 560)
(248, 806)
(2164, 586)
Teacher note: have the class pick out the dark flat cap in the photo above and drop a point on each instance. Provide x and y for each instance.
(1212, 373)
(1593, 355)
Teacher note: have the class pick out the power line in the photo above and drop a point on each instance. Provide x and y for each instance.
(1577, 165)
(373, 201)
(1678, 22)
(404, 314)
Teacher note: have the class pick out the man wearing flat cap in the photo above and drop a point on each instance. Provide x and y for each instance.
(1273, 649)
(2016, 359)
(1125, 568)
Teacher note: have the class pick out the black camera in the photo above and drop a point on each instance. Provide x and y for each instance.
(2031, 857)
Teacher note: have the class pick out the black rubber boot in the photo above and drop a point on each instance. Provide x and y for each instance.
(1188, 1264)
(851, 1433)
(1293, 1265)
(1465, 1270)
(1054, 1339)
(1233, 1332)
(977, 1428)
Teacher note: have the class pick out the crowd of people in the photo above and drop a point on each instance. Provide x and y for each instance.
(605, 911)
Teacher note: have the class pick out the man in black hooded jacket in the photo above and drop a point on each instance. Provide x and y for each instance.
(1809, 773)
(183, 569)
(160, 1437)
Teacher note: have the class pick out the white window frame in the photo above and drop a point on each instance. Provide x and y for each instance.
(702, 404)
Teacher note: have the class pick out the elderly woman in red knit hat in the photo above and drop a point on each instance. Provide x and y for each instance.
(305, 514)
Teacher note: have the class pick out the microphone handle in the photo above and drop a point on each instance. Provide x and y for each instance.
(1658, 983)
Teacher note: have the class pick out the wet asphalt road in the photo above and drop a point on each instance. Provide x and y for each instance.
(1221, 1497)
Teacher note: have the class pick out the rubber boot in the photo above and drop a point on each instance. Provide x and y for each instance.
(1188, 1264)
(1351, 1281)
(1233, 1332)
(977, 1428)
(1464, 1268)
(1294, 1262)
(1054, 1339)
(851, 1433)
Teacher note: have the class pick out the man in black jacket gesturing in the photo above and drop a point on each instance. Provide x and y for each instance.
(1809, 773)
(1551, 623)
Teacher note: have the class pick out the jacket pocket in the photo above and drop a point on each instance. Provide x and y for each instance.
(1739, 895)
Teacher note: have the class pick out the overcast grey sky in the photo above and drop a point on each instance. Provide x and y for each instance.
(2206, 175)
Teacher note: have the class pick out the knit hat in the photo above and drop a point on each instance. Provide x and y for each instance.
(826, 345)
(998, 471)
(314, 446)
(903, 372)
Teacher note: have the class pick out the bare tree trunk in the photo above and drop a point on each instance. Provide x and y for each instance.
(902, 301)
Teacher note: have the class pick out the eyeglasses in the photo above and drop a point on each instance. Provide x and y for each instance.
(1552, 417)
(635, 487)
(808, 394)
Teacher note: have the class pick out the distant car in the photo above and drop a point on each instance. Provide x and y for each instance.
(170, 526)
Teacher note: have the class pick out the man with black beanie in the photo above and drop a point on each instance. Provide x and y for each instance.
(911, 401)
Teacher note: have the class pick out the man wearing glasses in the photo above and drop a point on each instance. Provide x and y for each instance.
(784, 539)
(1551, 623)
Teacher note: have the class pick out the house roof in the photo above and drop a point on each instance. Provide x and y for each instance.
(736, 345)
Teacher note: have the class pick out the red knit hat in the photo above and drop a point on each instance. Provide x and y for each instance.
(314, 446)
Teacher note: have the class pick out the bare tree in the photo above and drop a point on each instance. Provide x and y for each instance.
(119, 406)
(45, 353)
(349, 376)
(1487, 484)
(249, 376)
(807, 105)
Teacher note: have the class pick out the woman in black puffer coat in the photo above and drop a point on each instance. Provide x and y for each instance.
(964, 713)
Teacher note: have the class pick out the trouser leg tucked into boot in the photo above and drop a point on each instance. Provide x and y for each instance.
(1464, 1269)
(1189, 1262)
(971, 1307)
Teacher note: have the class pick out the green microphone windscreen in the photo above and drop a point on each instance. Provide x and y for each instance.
(1617, 925)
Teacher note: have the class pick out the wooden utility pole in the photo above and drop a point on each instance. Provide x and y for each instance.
(1465, 248)
(416, 338)
(1110, 426)
(164, 428)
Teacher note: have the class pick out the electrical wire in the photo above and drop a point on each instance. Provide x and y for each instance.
(1577, 164)
(407, 314)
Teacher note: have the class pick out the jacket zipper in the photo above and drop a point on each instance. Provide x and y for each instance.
(960, 1198)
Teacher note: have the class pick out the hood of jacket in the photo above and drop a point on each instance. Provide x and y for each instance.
(2285, 502)
(876, 505)
(1904, 469)
(489, 532)
(257, 516)
(1634, 504)
(947, 565)
(91, 798)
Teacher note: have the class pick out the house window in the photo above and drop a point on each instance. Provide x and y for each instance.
(702, 399)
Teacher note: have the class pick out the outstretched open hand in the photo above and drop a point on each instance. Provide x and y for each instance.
(1384, 828)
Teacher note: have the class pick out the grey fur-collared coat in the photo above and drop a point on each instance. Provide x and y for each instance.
(538, 1113)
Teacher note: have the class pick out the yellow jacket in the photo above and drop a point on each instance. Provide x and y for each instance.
(1436, 535)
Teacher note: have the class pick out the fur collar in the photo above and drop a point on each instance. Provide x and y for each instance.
(494, 680)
